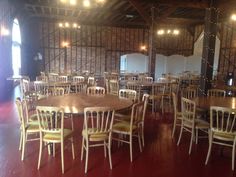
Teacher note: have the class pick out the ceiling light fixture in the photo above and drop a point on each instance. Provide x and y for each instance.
(174, 32)
(233, 17)
(85, 3)
(68, 25)
(4, 31)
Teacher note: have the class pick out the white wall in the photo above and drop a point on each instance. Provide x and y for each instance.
(136, 62)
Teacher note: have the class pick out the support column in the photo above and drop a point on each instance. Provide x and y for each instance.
(152, 50)
(208, 52)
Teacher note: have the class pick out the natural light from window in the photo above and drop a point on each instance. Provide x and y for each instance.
(16, 48)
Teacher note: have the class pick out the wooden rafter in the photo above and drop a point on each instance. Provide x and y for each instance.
(138, 6)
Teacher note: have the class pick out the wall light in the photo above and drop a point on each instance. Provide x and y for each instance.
(176, 32)
(65, 44)
(143, 47)
(68, 25)
(233, 17)
(160, 32)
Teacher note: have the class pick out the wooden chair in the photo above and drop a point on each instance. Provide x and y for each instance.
(53, 77)
(91, 81)
(98, 123)
(80, 87)
(216, 92)
(134, 86)
(222, 129)
(130, 128)
(40, 88)
(189, 93)
(63, 79)
(27, 128)
(146, 79)
(128, 94)
(27, 92)
(189, 121)
(51, 125)
(95, 90)
(156, 96)
(114, 87)
(177, 114)
(78, 79)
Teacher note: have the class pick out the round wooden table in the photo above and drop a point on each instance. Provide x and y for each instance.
(75, 103)
(207, 102)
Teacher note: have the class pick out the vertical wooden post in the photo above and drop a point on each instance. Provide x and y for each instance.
(208, 52)
(152, 53)
(65, 60)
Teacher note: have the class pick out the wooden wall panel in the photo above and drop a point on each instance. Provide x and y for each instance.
(227, 59)
(98, 48)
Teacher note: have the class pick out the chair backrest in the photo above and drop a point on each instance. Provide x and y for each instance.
(98, 120)
(57, 91)
(134, 86)
(222, 120)
(51, 119)
(128, 94)
(158, 89)
(137, 114)
(77, 79)
(20, 112)
(40, 87)
(80, 87)
(95, 90)
(52, 77)
(189, 93)
(25, 85)
(62, 78)
(146, 79)
(216, 92)
(145, 100)
(174, 87)
(107, 86)
(91, 81)
(114, 87)
(188, 109)
(174, 98)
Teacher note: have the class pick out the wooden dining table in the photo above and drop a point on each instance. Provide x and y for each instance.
(207, 102)
(75, 103)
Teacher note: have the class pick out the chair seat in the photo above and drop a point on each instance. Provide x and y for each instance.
(224, 136)
(33, 118)
(95, 136)
(56, 137)
(32, 127)
(122, 127)
(201, 124)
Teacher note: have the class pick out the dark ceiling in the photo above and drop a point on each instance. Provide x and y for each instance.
(124, 12)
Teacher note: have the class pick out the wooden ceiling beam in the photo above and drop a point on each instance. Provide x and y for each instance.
(138, 6)
(167, 13)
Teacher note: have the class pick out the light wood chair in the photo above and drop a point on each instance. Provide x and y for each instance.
(63, 79)
(27, 92)
(189, 122)
(134, 86)
(27, 128)
(222, 129)
(97, 129)
(80, 87)
(146, 79)
(177, 114)
(78, 79)
(216, 92)
(156, 96)
(128, 94)
(95, 90)
(51, 125)
(114, 87)
(40, 87)
(189, 93)
(53, 77)
(91, 81)
(130, 128)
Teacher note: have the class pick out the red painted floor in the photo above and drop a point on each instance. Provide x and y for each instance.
(161, 156)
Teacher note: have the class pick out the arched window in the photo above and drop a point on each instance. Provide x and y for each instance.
(16, 48)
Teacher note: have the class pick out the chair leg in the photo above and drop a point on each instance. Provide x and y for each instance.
(82, 149)
(173, 130)
(62, 157)
(54, 149)
(180, 135)
(130, 147)
(23, 146)
(209, 148)
(142, 127)
(233, 154)
(196, 139)
(40, 151)
(105, 149)
(139, 142)
(191, 141)
(72, 148)
(20, 145)
(87, 151)
(109, 151)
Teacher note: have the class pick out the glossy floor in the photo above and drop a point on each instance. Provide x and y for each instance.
(161, 156)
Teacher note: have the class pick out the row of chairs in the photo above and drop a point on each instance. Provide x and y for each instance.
(98, 127)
